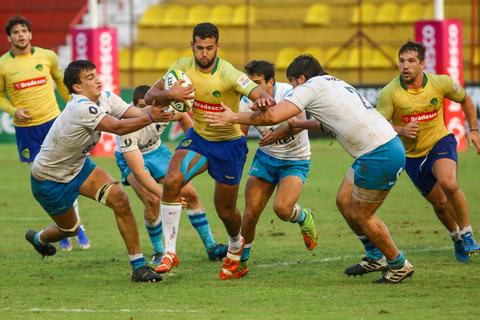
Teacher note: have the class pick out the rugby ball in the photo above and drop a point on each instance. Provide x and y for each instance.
(173, 76)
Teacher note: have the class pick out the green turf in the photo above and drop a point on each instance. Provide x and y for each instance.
(285, 281)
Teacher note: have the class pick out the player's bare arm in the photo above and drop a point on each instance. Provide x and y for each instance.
(124, 126)
(470, 113)
(281, 112)
(161, 96)
(184, 119)
(261, 98)
(283, 131)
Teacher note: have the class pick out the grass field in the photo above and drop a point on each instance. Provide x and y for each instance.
(285, 280)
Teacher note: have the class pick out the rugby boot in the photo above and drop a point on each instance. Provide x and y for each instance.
(44, 249)
(169, 260)
(367, 265)
(145, 274)
(471, 246)
(218, 252)
(309, 230)
(396, 275)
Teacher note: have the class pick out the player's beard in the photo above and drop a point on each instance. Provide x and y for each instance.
(19, 47)
(205, 65)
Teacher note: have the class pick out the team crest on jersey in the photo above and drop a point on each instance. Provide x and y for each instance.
(216, 94)
(26, 153)
(186, 143)
(39, 67)
(434, 101)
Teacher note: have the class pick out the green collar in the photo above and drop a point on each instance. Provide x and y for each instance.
(13, 54)
(216, 65)
(424, 82)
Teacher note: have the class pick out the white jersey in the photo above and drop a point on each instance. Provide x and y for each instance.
(145, 139)
(296, 147)
(337, 105)
(73, 135)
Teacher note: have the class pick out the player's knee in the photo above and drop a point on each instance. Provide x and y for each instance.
(449, 186)
(189, 193)
(152, 202)
(173, 182)
(118, 199)
(71, 231)
(282, 210)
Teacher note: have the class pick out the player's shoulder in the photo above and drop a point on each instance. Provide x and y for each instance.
(184, 63)
(393, 85)
(79, 100)
(44, 52)
(439, 79)
(5, 58)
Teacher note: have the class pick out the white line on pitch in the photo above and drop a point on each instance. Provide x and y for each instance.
(346, 257)
(79, 310)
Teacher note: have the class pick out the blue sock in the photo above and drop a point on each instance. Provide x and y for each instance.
(371, 251)
(301, 217)
(155, 233)
(200, 222)
(137, 260)
(398, 262)
(246, 252)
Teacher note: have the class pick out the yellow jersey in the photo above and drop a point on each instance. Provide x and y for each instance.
(223, 84)
(28, 82)
(401, 105)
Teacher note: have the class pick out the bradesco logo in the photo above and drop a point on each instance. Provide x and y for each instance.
(419, 117)
(25, 84)
(429, 41)
(205, 106)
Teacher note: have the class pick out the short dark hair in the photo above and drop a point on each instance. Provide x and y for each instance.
(13, 21)
(73, 70)
(205, 30)
(261, 67)
(139, 93)
(413, 46)
(306, 65)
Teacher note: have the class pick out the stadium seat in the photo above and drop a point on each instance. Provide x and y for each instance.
(340, 61)
(196, 14)
(221, 15)
(354, 59)
(165, 58)
(143, 58)
(175, 16)
(429, 12)
(317, 52)
(187, 52)
(368, 14)
(411, 12)
(124, 59)
(387, 13)
(318, 14)
(240, 15)
(286, 56)
(476, 57)
(379, 61)
(152, 16)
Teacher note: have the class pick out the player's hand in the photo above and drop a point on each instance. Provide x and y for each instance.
(268, 138)
(474, 139)
(22, 115)
(179, 92)
(410, 130)
(221, 119)
(161, 114)
(262, 104)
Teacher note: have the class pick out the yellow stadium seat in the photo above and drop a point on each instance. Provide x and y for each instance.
(240, 15)
(221, 15)
(317, 52)
(165, 58)
(152, 16)
(411, 12)
(175, 16)
(143, 58)
(387, 13)
(318, 15)
(187, 52)
(286, 56)
(429, 12)
(354, 58)
(196, 14)
(476, 57)
(379, 61)
(368, 14)
(124, 59)
(340, 61)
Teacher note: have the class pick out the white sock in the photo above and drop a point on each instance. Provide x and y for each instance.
(455, 235)
(235, 243)
(466, 229)
(170, 220)
(75, 207)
